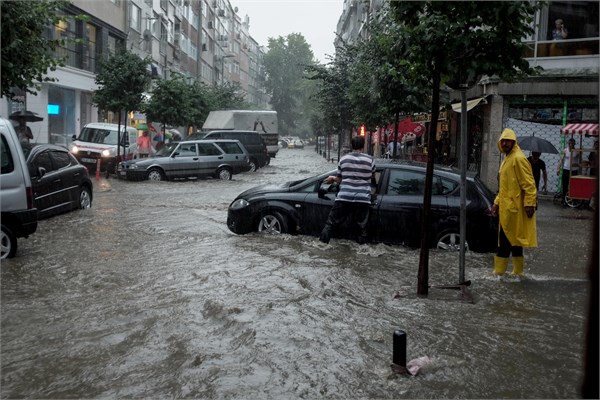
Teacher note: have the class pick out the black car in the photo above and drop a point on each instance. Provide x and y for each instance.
(60, 183)
(302, 207)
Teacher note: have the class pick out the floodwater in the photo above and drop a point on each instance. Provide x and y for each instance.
(149, 295)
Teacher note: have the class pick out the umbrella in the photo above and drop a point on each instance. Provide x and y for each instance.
(26, 115)
(534, 143)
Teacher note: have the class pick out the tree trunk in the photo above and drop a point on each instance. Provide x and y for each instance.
(423, 275)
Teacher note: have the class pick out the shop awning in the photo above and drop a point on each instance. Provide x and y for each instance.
(582, 129)
(470, 104)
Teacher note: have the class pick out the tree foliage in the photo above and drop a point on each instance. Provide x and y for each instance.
(27, 54)
(170, 103)
(285, 64)
(122, 81)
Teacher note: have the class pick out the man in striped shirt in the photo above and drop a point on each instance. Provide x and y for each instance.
(355, 174)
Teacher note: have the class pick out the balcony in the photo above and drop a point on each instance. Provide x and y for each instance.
(563, 48)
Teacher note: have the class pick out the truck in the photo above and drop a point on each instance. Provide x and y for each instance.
(261, 121)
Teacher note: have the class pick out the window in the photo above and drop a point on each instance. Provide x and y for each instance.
(136, 18)
(41, 161)
(187, 150)
(6, 157)
(230, 148)
(60, 159)
(208, 149)
(406, 183)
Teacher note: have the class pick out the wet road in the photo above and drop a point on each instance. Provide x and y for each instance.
(148, 294)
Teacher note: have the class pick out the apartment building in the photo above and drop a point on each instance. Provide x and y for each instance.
(203, 40)
(566, 91)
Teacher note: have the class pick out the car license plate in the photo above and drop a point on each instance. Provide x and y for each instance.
(88, 160)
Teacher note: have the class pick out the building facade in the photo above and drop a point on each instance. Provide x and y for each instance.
(203, 40)
(566, 91)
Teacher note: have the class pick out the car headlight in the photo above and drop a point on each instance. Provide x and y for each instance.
(75, 150)
(133, 166)
(238, 204)
(105, 153)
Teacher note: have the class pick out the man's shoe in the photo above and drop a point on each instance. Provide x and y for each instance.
(361, 240)
(325, 236)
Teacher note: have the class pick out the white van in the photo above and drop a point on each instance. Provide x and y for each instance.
(19, 215)
(98, 141)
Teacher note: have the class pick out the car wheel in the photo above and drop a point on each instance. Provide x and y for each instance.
(450, 241)
(224, 174)
(155, 174)
(272, 223)
(253, 166)
(85, 198)
(268, 162)
(8, 243)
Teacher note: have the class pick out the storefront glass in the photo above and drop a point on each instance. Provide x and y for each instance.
(61, 115)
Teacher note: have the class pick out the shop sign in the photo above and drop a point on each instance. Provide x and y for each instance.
(427, 117)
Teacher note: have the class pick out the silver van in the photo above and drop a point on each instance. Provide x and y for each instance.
(19, 215)
(98, 141)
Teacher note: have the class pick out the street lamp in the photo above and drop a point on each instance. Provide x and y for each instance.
(223, 57)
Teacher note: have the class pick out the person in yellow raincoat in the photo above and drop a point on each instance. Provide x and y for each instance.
(515, 205)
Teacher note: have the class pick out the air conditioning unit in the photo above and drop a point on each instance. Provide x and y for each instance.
(239, 35)
(215, 4)
(177, 39)
(186, 3)
(176, 54)
(162, 16)
(222, 38)
(204, 47)
(147, 35)
(211, 25)
(221, 13)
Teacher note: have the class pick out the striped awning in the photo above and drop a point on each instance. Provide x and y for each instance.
(582, 129)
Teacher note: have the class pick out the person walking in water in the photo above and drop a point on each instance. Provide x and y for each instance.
(514, 205)
(355, 174)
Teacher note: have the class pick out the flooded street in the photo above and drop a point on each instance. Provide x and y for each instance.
(149, 295)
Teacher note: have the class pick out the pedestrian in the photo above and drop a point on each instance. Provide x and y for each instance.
(559, 32)
(144, 148)
(593, 160)
(569, 160)
(390, 148)
(355, 174)
(514, 205)
(160, 140)
(538, 166)
(23, 131)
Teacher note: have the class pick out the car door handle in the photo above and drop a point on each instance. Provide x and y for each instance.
(195, 158)
(56, 181)
(220, 157)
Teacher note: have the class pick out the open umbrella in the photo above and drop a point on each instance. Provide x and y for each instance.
(26, 115)
(537, 144)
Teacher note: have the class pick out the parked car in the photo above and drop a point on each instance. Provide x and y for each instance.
(99, 141)
(252, 141)
(19, 216)
(190, 159)
(60, 183)
(302, 207)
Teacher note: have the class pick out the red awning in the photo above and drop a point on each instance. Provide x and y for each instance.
(582, 129)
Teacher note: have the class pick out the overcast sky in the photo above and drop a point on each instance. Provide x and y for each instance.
(316, 20)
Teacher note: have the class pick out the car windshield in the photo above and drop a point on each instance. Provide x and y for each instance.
(166, 150)
(98, 135)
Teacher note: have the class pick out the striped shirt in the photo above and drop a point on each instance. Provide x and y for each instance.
(355, 169)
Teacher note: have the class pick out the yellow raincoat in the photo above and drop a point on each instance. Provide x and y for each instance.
(517, 190)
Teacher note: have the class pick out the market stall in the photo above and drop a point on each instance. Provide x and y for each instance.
(583, 186)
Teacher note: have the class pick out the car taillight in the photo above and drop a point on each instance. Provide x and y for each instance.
(29, 194)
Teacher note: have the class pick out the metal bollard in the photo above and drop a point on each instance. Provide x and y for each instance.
(399, 356)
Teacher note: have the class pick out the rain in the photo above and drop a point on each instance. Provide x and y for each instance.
(148, 294)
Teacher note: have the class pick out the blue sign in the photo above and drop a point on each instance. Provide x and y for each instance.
(53, 109)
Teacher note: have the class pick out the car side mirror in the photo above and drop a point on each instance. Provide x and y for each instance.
(41, 171)
(174, 154)
(74, 137)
